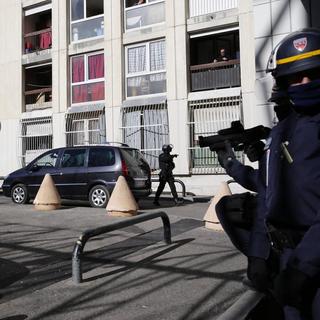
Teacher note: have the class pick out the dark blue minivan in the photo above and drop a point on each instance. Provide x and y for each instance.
(84, 173)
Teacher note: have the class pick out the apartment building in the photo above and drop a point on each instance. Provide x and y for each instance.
(146, 73)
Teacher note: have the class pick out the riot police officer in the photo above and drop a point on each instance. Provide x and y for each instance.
(289, 185)
(166, 165)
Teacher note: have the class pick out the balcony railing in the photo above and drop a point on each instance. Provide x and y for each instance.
(38, 98)
(38, 40)
(216, 75)
(201, 7)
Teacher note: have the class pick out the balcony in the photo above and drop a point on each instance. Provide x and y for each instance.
(38, 40)
(38, 87)
(38, 99)
(216, 75)
(202, 7)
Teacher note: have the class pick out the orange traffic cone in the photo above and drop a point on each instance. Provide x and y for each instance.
(47, 197)
(122, 202)
(210, 218)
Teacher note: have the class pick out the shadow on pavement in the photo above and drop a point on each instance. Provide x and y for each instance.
(11, 272)
(50, 264)
(17, 317)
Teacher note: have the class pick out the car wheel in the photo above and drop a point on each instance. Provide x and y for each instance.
(99, 196)
(19, 194)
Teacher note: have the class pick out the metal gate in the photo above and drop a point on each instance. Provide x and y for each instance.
(146, 128)
(85, 128)
(206, 117)
(35, 138)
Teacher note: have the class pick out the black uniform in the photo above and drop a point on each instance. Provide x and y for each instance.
(166, 165)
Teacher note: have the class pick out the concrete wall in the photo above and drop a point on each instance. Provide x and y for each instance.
(273, 20)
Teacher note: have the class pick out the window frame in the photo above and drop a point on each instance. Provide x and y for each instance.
(82, 20)
(148, 69)
(143, 5)
(86, 77)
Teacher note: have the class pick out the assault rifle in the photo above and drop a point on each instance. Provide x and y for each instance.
(238, 137)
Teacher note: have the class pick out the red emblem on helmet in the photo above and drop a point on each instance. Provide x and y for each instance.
(300, 44)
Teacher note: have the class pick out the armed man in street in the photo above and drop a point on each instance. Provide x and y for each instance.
(281, 238)
(166, 165)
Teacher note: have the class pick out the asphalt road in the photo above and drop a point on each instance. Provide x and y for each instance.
(128, 274)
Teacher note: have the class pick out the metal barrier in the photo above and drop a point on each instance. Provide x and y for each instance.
(86, 235)
(183, 186)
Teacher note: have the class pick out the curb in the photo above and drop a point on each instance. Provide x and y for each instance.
(241, 308)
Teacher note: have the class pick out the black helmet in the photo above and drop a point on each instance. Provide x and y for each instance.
(167, 147)
(298, 51)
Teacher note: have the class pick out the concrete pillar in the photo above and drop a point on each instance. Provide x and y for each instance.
(113, 50)
(177, 76)
(60, 73)
(58, 130)
(247, 56)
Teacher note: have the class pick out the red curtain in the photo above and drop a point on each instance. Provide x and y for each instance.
(96, 66)
(77, 69)
(97, 91)
(45, 40)
(80, 93)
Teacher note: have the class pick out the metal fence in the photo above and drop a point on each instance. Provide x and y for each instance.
(201, 7)
(35, 137)
(206, 117)
(215, 75)
(85, 128)
(146, 128)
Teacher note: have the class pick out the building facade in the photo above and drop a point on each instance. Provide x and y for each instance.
(146, 73)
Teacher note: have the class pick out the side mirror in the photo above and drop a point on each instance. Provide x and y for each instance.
(34, 167)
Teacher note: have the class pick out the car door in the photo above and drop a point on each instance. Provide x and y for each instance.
(102, 166)
(71, 179)
(36, 170)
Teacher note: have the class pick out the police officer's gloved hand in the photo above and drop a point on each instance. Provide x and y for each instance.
(294, 288)
(255, 151)
(175, 155)
(258, 273)
(226, 155)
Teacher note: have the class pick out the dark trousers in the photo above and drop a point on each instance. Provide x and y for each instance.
(163, 180)
(238, 228)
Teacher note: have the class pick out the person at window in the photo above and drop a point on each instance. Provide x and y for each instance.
(281, 244)
(222, 56)
(166, 165)
(139, 2)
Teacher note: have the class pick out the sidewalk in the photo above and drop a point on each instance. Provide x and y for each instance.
(129, 274)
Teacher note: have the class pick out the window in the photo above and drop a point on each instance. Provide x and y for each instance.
(146, 128)
(86, 19)
(143, 13)
(87, 78)
(146, 68)
(73, 158)
(100, 157)
(48, 160)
